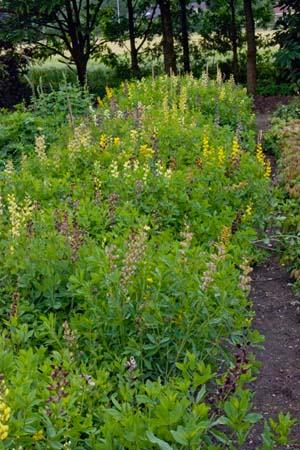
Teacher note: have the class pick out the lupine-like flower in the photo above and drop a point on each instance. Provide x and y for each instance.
(146, 151)
(9, 169)
(19, 215)
(183, 99)
(103, 141)
(109, 92)
(112, 201)
(136, 250)
(71, 231)
(165, 107)
(40, 148)
(221, 156)
(80, 140)
(208, 275)
(133, 135)
(222, 94)
(225, 234)
(185, 244)
(205, 79)
(58, 386)
(268, 170)
(245, 279)
(114, 171)
(205, 146)
(100, 101)
(236, 152)
(219, 78)
(231, 380)
(70, 336)
(260, 155)
(146, 171)
(112, 256)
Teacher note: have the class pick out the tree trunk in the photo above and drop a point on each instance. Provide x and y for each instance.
(185, 37)
(80, 61)
(251, 47)
(234, 43)
(168, 39)
(133, 50)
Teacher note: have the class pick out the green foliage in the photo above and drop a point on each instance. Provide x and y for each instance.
(49, 113)
(126, 246)
(288, 56)
(278, 433)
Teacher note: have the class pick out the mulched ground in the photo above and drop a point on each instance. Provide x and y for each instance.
(278, 384)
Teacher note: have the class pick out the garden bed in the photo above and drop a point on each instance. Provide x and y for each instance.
(127, 249)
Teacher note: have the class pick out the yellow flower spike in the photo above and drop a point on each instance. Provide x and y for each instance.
(99, 101)
(109, 92)
(225, 234)
(134, 135)
(235, 152)
(222, 94)
(205, 146)
(268, 170)
(249, 210)
(260, 155)
(183, 99)
(117, 140)
(103, 141)
(221, 156)
(145, 151)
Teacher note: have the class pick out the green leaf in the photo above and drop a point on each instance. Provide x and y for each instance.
(29, 429)
(221, 437)
(179, 437)
(201, 394)
(253, 417)
(163, 445)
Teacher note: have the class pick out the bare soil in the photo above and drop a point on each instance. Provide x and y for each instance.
(277, 386)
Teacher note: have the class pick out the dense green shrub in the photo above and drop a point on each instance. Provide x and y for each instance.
(126, 252)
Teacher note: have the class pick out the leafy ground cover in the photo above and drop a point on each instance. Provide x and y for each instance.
(283, 137)
(126, 249)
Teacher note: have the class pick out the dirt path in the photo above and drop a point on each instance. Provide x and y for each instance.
(278, 384)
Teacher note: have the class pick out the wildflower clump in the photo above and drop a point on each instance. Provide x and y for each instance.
(4, 410)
